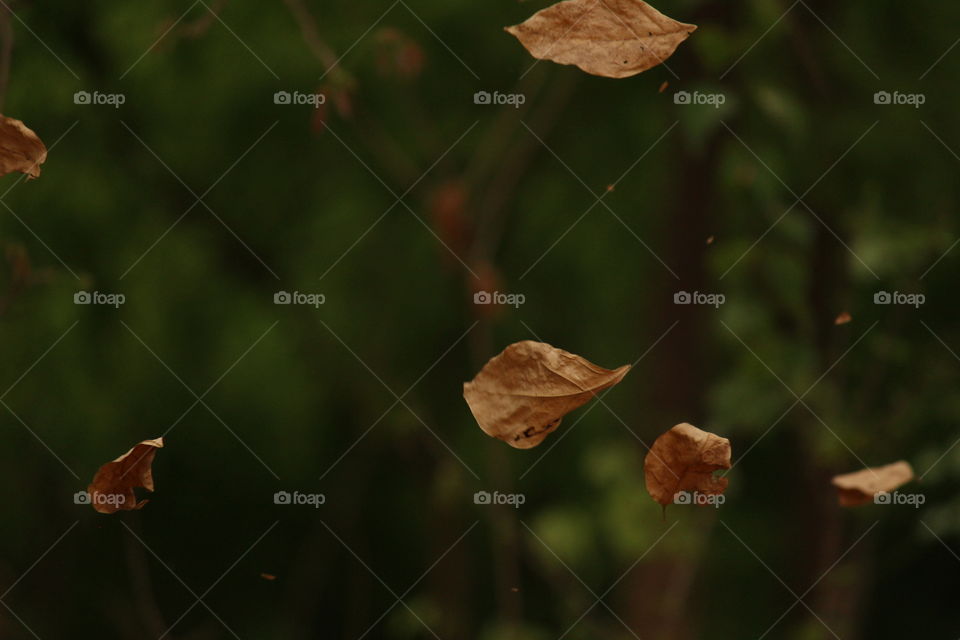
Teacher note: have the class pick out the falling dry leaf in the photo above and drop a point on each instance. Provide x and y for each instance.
(268, 576)
(709, 240)
(663, 86)
(20, 149)
(610, 38)
(113, 486)
(843, 318)
(859, 487)
(521, 394)
(684, 459)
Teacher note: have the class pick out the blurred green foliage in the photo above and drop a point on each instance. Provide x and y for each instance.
(199, 198)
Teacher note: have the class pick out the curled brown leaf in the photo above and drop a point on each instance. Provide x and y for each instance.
(684, 459)
(20, 149)
(860, 487)
(521, 394)
(610, 38)
(113, 485)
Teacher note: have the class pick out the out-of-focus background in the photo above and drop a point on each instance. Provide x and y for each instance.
(809, 170)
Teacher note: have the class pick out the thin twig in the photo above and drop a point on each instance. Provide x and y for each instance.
(200, 26)
(311, 34)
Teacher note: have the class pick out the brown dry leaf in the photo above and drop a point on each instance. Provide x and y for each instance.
(610, 38)
(684, 459)
(521, 394)
(663, 86)
(268, 576)
(113, 485)
(20, 149)
(859, 487)
(843, 318)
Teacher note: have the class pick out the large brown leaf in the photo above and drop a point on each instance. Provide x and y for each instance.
(20, 149)
(113, 485)
(684, 459)
(521, 394)
(859, 487)
(610, 38)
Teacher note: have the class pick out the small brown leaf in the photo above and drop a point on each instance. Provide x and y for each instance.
(610, 38)
(113, 485)
(663, 86)
(684, 459)
(521, 394)
(859, 487)
(20, 149)
(268, 576)
(843, 318)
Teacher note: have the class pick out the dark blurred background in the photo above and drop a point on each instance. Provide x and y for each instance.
(799, 198)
